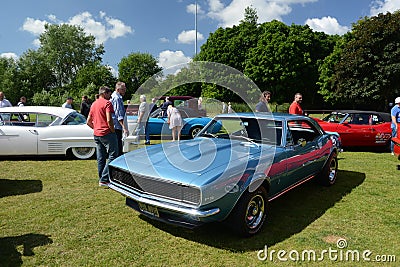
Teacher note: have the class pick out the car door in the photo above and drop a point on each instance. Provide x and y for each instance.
(304, 155)
(356, 130)
(18, 137)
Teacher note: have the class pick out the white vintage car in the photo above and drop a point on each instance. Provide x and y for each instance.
(40, 130)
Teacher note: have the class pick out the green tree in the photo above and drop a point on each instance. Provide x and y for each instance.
(135, 69)
(34, 73)
(8, 82)
(67, 49)
(90, 77)
(286, 60)
(366, 68)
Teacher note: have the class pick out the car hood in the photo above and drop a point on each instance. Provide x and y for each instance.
(196, 162)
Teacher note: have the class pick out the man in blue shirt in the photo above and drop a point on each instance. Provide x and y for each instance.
(120, 125)
(395, 114)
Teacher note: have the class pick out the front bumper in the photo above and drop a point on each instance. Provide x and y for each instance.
(169, 212)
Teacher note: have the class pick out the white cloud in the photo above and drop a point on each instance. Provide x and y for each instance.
(34, 26)
(266, 10)
(384, 6)
(163, 40)
(328, 25)
(188, 37)
(192, 9)
(102, 30)
(169, 58)
(9, 55)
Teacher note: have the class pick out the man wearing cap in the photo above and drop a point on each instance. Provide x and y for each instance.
(68, 103)
(395, 114)
(100, 120)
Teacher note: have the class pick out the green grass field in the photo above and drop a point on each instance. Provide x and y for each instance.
(54, 214)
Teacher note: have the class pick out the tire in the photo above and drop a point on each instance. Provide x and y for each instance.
(83, 152)
(195, 130)
(249, 214)
(328, 174)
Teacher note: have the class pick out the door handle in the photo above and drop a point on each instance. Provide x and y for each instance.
(33, 132)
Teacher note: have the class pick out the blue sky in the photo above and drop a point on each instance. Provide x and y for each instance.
(166, 28)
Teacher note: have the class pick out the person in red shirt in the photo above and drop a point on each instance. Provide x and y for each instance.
(100, 120)
(295, 107)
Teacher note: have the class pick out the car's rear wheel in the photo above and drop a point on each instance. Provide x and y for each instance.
(328, 174)
(194, 131)
(249, 214)
(83, 152)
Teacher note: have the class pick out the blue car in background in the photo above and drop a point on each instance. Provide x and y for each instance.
(229, 172)
(158, 125)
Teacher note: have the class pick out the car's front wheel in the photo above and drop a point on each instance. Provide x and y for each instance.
(249, 214)
(83, 152)
(328, 174)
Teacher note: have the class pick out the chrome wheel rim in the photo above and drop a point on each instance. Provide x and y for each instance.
(255, 211)
(332, 170)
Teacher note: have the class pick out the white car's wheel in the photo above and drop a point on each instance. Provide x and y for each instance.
(83, 152)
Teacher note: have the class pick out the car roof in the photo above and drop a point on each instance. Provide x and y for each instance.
(58, 111)
(385, 116)
(358, 111)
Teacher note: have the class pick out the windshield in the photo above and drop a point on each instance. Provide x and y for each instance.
(263, 131)
(74, 118)
(335, 117)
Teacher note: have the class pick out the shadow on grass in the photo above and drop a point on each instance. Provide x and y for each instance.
(288, 215)
(19, 187)
(9, 254)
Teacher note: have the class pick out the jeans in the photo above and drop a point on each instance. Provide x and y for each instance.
(142, 128)
(120, 143)
(106, 151)
(394, 134)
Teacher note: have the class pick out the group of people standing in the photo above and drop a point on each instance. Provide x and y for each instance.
(168, 110)
(5, 103)
(107, 119)
(294, 108)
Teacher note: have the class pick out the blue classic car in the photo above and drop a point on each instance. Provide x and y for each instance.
(158, 125)
(228, 172)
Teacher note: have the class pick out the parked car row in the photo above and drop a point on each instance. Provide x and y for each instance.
(230, 169)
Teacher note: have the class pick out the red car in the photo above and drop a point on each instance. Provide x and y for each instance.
(396, 141)
(359, 128)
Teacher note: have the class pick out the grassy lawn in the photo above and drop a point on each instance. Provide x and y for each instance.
(54, 214)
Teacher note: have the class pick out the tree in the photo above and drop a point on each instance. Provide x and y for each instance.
(90, 77)
(67, 49)
(135, 69)
(286, 59)
(8, 71)
(367, 67)
(34, 73)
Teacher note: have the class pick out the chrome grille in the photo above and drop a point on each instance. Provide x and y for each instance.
(149, 185)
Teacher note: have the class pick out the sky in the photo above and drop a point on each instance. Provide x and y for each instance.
(166, 29)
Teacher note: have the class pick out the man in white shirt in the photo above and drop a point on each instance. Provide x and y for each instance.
(3, 101)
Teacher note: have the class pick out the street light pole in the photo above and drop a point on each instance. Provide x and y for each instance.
(195, 29)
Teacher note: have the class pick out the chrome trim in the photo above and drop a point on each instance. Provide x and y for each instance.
(163, 205)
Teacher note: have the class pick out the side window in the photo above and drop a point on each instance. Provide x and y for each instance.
(44, 120)
(302, 130)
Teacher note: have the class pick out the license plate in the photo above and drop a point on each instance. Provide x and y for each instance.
(152, 210)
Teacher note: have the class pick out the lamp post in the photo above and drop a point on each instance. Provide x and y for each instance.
(195, 29)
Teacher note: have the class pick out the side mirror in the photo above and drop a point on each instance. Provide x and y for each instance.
(302, 142)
